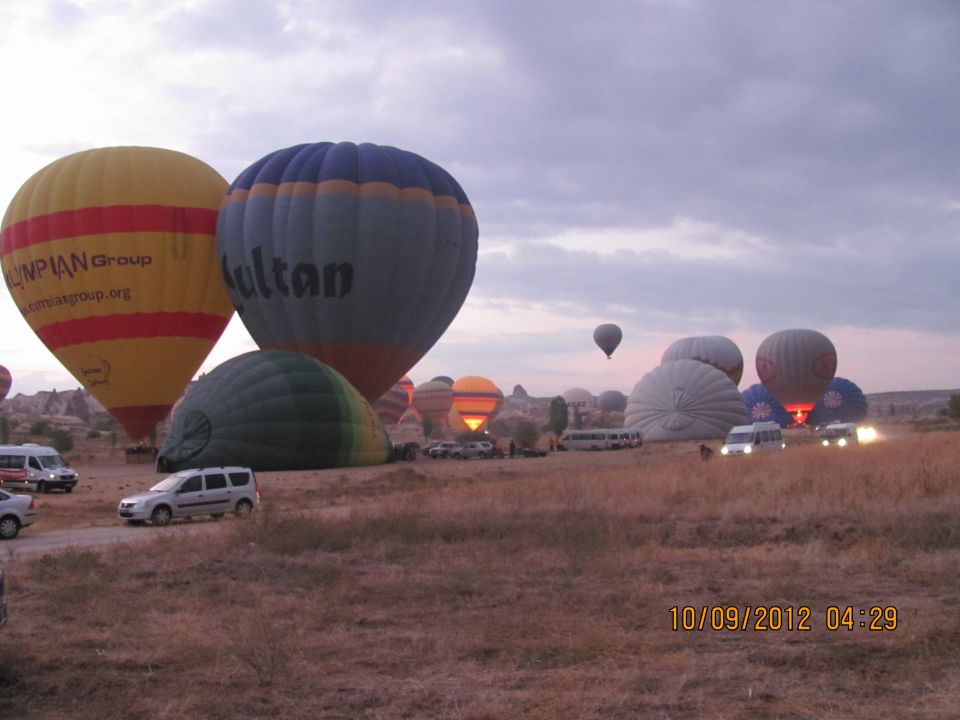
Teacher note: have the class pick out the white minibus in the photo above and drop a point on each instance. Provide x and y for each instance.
(601, 439)
(35, 467)
(761, 437)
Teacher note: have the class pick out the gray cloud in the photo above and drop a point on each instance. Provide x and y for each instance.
(828, 133)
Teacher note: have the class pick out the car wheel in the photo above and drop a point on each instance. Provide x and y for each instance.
(161, 515)
(243, 509)
(41, 487)
(444, 454)
(216, 516)
(9, 527)
(483, 456)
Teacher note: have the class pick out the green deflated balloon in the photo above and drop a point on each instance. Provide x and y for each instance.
(274, 410)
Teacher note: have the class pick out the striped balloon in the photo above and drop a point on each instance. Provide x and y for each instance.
(476, 399)
(456, 422)
(407, 384)
(433, 400)
(110, 256)
(358, 255)
(392, 404)
(5, 382)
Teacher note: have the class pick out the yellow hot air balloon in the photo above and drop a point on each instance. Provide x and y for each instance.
(110, 256)
(475, 399)
(456, 422)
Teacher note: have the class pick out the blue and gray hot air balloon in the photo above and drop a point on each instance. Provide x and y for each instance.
(357, 255)
(843, 401)
(762, 406)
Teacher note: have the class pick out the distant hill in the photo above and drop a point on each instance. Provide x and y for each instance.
(908, 403)
(70, 405)
(79, 407)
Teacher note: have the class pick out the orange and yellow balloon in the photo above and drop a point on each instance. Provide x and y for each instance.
(110, 256)
(476, 399)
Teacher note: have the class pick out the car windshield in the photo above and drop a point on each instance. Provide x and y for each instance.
(739, 438)
(836, 432)
(51, 462)
(167, 484)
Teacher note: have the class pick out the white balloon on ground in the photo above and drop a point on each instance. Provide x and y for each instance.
(684, 400)
(716, 350)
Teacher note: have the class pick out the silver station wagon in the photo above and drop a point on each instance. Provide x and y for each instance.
(202, 491)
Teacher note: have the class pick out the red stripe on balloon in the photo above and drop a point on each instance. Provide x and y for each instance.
(108, 219)
(139, 420)
(133, 325)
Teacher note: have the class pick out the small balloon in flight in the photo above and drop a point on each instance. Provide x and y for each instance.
(607, 337)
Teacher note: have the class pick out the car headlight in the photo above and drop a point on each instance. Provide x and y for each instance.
(825, 443)
(842, 442)
(723, 450)
(52, 476)
(747, 450)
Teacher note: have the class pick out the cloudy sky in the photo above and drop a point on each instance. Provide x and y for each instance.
(676, 167)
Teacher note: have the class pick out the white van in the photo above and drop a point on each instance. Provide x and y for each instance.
(761, 437)
(35, 467)
(840, 434)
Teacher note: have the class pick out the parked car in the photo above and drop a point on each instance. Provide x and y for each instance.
(445, 450)
(425, 450)
(479, 449)
(406, 450)
(201, 491)
(16, 511)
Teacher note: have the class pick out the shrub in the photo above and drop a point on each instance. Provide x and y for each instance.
(525, 434)
(61, 440)
(40, 427)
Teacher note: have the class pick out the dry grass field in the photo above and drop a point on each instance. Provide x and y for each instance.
(533, 588)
